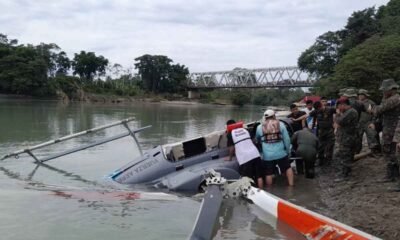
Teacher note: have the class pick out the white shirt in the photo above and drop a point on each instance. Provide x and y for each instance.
(309, 120)
(244, 147)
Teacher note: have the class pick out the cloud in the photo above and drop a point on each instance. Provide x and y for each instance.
(204, 35)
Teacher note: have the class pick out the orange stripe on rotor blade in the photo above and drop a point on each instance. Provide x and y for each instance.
(313, 226)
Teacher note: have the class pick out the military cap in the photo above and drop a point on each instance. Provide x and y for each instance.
(350, 92)
(388, 84)
(343, 100)
(363, 92)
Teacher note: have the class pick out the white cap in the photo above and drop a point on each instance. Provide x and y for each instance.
(269, 113)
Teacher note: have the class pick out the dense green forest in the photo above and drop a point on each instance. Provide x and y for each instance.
(361, 55)
(45, 70)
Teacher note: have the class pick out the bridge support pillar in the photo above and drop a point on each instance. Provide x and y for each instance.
(193, 94)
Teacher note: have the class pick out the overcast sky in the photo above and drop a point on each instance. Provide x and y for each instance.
(204, 35)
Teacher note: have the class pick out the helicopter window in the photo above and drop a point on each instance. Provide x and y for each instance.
(194, 147)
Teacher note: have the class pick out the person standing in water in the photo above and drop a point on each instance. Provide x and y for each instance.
(241, 145)
(275, 144)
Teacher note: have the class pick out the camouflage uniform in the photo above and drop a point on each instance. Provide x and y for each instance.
(396, 137)
(351, 94)
(365, 120)
(346, 139)
(389, 110)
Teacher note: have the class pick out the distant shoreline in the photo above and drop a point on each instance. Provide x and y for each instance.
(113, 99)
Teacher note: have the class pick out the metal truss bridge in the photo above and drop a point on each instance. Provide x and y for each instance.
(279, 77)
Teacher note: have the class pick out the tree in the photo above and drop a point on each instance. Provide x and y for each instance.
(323, 55)
(23, 69)
(48, 53)
(389, 17)
(63, 64)
(360, 26)
(330, 47)
(87, 65)
(366, 65)
(177, 79)
(153, 70)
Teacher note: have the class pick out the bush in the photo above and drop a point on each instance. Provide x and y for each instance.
(240, 98)
(69, 85)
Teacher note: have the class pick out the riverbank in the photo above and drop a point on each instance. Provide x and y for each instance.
(361, 202)
(173, 99)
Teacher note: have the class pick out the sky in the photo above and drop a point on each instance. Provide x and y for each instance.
(204, 35)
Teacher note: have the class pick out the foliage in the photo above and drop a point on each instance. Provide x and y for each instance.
(240, 97)
(360, 26)
(159, 75)
(366, 65)
(264, 97)
(361, 54)
(322, 56)
(87, 65)
(68, 84)
(23, 69)
(277, 97)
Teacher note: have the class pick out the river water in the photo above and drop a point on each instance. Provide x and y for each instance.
(72, 198)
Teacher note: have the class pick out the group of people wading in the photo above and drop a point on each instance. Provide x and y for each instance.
(326, 135)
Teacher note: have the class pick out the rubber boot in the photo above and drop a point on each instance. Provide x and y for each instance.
(389, 174)
(376, 151)
(395, 188)
(395, 171)
(299, 166)
(309, 166)
(344, 176)
(310, 173)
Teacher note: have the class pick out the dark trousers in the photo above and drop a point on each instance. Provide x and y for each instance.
(326, 139)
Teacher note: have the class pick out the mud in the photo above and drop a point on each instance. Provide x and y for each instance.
(361, 202)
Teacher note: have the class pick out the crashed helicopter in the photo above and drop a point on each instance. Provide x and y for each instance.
(179, 166)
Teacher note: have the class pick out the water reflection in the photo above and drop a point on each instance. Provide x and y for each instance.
(37, 121)
(73, 212)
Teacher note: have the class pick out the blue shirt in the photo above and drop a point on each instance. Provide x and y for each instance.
(274, 151)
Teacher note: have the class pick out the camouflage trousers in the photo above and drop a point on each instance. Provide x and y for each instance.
(389, 154)
(372, 137)
(343, 154)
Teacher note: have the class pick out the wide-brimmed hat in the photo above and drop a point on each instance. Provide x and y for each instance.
(342, 91)
(363, 92)
(269, 113)
(350, 92)
(388, 84)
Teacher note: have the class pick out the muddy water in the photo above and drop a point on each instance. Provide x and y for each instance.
(71, 197)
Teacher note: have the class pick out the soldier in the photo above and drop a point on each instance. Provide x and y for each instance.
(351, 94)
(396, 139)
(323, 115)
(389, 111)
(306, 144)
(366, 119)
(346, 121)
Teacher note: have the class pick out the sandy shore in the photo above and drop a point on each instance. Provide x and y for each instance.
(361, 202)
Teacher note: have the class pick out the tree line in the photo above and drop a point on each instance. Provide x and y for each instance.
(44, 70)
(361, 55)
